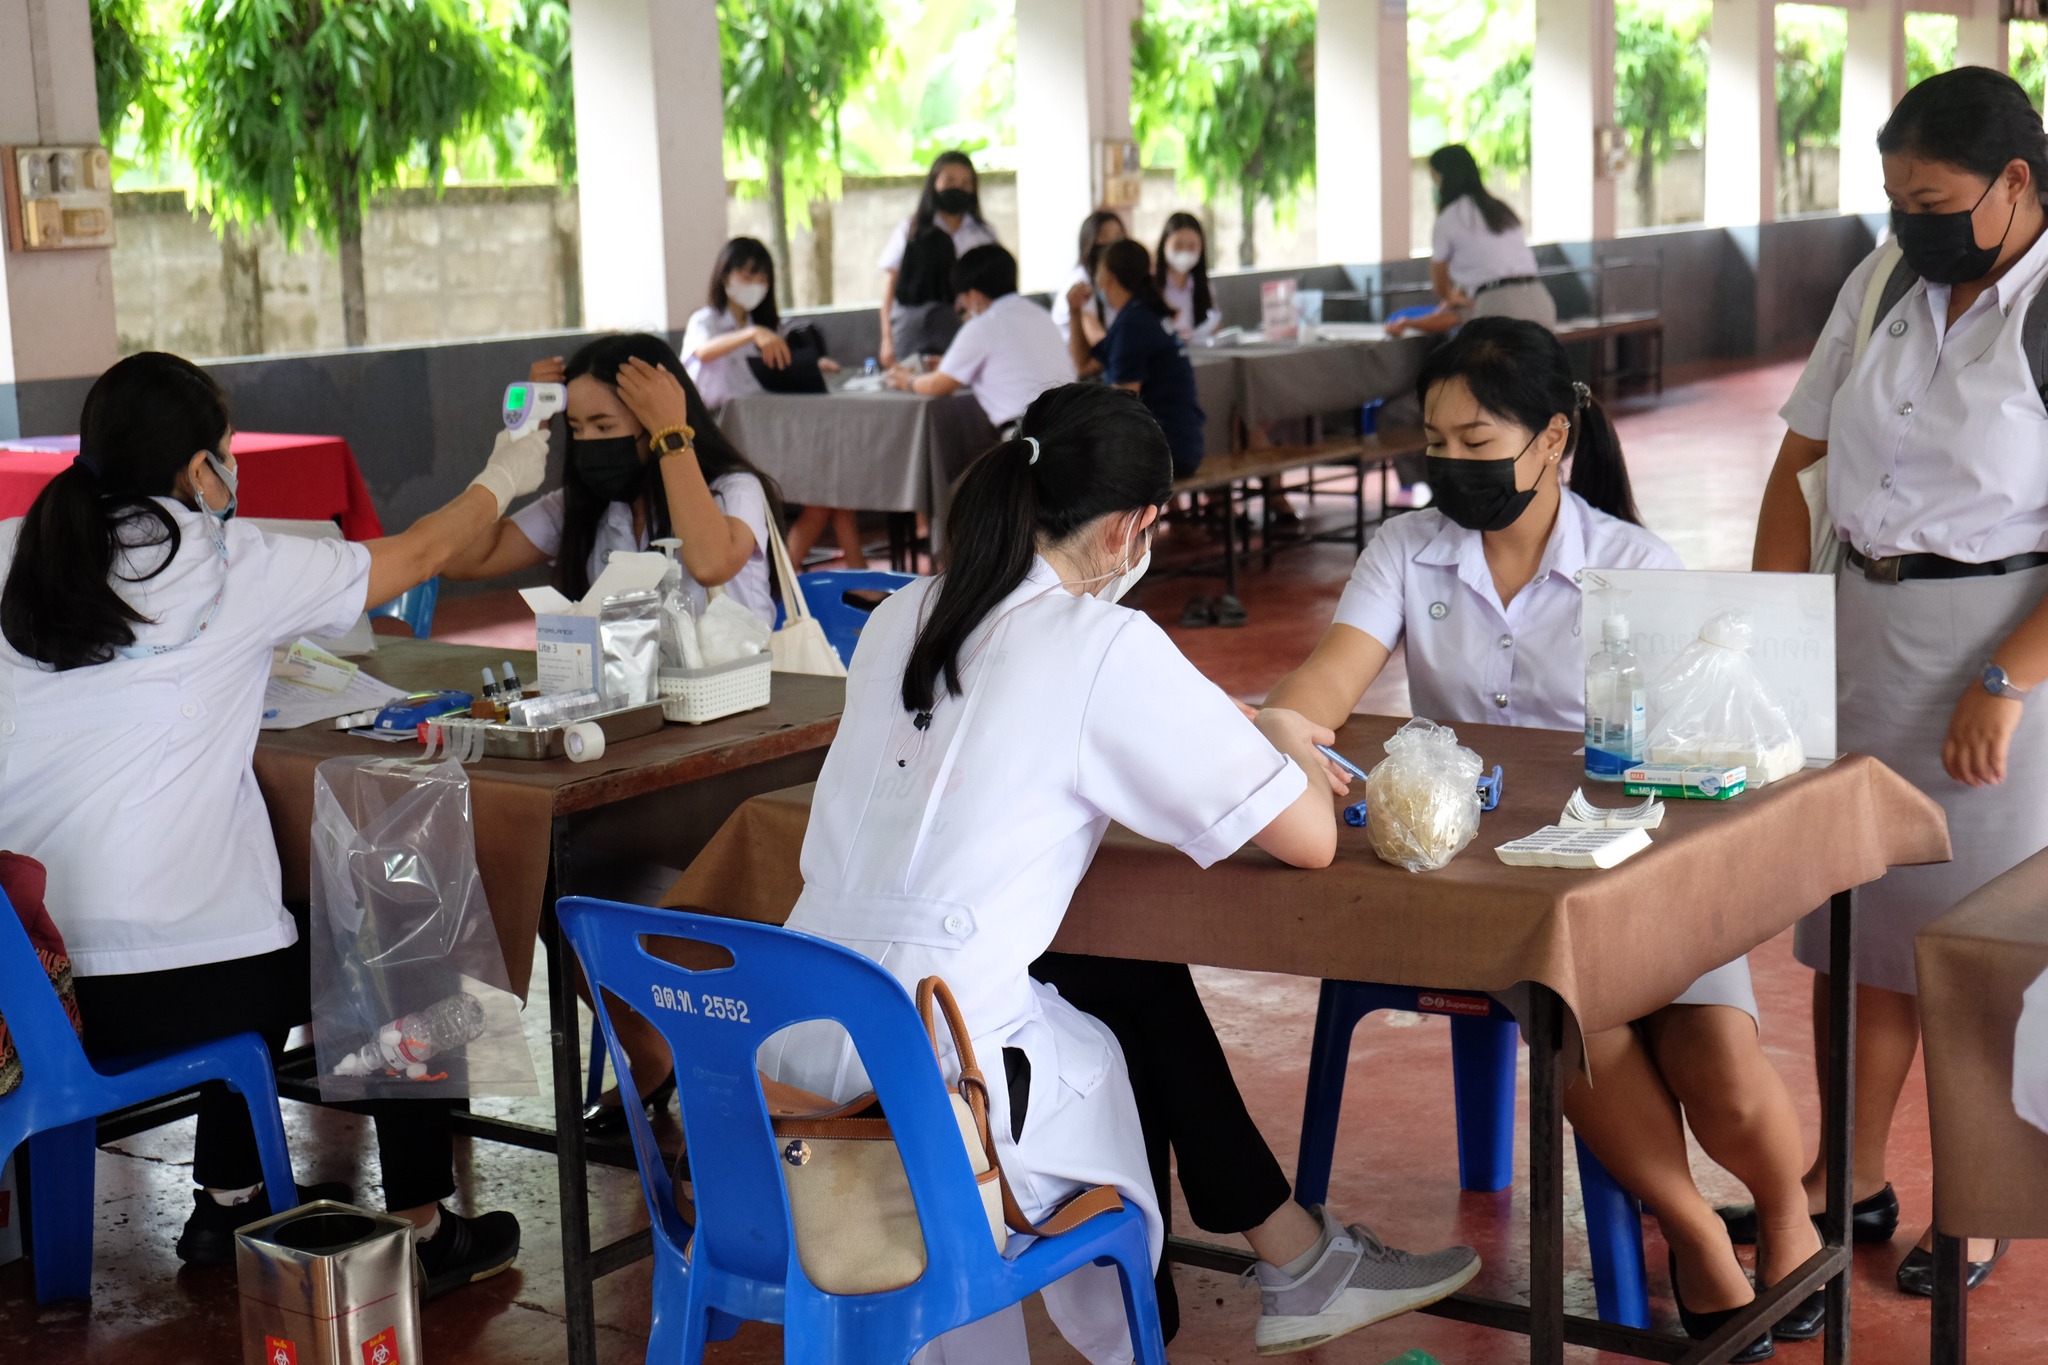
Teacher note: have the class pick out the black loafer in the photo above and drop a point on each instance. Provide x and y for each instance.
(1700, 1326)
(1227, 612)
(1805, 1322)
(209, 1235)
(466, 1250)
(1916, 1272)
(609, 1120)
(1871, 1220)
(1197, 614)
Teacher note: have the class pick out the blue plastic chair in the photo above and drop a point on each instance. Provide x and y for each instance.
(56, 1108)
(1483, 1047)
(741, 1261)
(415, 607)
(825, 594)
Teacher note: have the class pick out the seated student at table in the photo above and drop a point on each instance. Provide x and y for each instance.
(961, 687)
(1008, 351)
(1098, 230)
(628, 394)
(1181, 270)
(1140, 352)
(922, 319)
(1480, 261)
(950, 201)
(1482, 587)
(138, 622)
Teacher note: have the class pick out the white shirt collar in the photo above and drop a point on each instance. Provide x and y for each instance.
(1564, 555)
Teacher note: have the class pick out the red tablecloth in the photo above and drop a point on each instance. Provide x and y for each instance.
(296, 478)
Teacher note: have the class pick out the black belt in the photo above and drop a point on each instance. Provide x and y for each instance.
(1492, 285)
(1899, 568)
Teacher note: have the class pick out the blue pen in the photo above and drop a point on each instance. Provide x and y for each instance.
(1346, 764)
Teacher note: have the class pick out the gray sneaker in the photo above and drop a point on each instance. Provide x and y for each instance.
(1359, 1280)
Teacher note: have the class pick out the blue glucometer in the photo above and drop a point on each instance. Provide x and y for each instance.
(404, 715)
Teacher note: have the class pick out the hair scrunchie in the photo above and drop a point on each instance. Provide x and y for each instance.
(1582, 393)
(87, 463)
(1032, 441)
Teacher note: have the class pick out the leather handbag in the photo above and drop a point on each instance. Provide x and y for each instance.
(849, 1198)
(800, 646)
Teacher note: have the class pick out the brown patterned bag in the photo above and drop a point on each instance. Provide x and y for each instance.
(25, 880)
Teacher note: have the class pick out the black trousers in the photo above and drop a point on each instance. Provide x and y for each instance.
(268, 995)
(1188, 1101)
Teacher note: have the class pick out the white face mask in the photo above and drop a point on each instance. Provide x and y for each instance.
(746, 293)
(1127, 578)
(1184, 261)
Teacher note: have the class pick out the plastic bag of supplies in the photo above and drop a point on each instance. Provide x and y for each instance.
(1422, 799)
(1711, 707)
(410, 994)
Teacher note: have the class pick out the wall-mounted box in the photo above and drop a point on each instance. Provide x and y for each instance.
(57, 198)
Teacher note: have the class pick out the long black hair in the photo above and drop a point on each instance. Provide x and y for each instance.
(582, 509)
(928, 198)
(1972, 117)
(1129, 265)
(1091, 233)
(1517, 370)
(926, 275)
(1099, 452)
(144, 420)
(1200, 301)
(1461, 180)
(745, 253)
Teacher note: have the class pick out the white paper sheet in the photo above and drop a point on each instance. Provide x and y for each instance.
(288, 705)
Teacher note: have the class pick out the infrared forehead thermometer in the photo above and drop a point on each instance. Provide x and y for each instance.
(528, 405)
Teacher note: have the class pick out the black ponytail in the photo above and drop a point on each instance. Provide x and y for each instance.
(1130, 266)
(144, 420)
(1098, 452)
(1518, 370)
(1461, 180)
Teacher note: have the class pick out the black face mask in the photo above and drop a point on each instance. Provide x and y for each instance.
(1942, 247)
(1479, 495)
(954, 201)
(611, 468)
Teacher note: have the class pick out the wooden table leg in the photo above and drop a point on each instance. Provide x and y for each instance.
(1546, 1177)
(1950, 1339)
(1839, 1107)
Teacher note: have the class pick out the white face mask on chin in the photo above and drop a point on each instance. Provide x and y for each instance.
(747, 294)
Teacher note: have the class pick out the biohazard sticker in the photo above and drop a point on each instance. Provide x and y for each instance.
(382, 1349)
(279, 1351)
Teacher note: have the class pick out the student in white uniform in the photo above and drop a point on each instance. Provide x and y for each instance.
(138, 623)
(1181, 268)
(1480, 262)
(1936, 491)
(963, 686)
(1098, 230)
(951, 199)
(1008, 351)
(1483, 589)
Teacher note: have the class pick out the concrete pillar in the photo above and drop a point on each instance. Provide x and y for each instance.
(1982, 38)
(1742, 114)
(650, 158)
(1571, 199)
(1362, 153)
(1073, 76)
(56, 307)
(1873, 81)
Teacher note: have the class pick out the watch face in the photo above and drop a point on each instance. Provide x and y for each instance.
(1994, 678)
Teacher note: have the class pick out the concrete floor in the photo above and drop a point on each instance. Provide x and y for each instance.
(1699, 459)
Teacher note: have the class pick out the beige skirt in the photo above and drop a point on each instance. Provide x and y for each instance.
(1905, 654)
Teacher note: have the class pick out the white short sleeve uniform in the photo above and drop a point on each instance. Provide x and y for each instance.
(1181, 298)
(1475, 254)
(1062, 311)
(729, 376)
(1009, 355)
(971, 233)
(131, 780)
(738, 495)
(961, 862)
(1424, 580)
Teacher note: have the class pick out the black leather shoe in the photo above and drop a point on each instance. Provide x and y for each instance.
(209, 1235)
(1871, 1220)
(609, 1120)
(1700, 1326)
(466, 1250)
(1916, 1272)
(1805, 1322)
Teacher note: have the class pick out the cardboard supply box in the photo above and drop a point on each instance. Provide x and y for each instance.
(569, 657)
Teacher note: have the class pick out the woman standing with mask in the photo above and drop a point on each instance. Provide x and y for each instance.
(1930, 418)
(1483, 589)
(1181, 269)
(951, 199)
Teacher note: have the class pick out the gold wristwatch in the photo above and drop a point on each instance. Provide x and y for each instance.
(670, 440)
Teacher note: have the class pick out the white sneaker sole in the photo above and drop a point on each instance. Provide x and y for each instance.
(1354, 1308)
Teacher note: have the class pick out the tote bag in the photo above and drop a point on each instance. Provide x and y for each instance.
(800, 646)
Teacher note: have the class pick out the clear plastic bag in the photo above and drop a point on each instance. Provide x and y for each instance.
(1711, 706)
(410, 993)
(1422, 799)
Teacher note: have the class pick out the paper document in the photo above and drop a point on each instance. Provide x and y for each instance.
(287, 705)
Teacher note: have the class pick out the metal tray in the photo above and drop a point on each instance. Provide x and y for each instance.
(545, 741)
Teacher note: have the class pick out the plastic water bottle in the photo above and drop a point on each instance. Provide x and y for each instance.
(403, 1047)
(1614, 704)
(871, 367)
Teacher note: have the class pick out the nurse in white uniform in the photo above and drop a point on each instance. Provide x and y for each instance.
(1016, 689)
(951, 199)
(1932, 436)
(1483, 588)
(139, 621)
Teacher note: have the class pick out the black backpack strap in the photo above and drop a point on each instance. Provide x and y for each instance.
(2034, 341)
(1896, 284)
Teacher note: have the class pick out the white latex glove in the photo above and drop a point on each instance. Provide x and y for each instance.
(518, 465)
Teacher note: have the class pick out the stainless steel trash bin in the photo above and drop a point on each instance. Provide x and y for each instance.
(327, 1284)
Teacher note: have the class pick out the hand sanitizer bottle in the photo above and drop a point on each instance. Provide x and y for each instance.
(1614, 704)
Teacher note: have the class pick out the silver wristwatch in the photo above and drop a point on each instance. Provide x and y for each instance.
(1998, 685)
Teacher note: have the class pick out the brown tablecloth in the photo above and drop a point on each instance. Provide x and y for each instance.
(513, 803)
(1721, 878)
(1990, 1165)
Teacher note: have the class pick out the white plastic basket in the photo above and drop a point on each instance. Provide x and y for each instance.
(695, 695)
